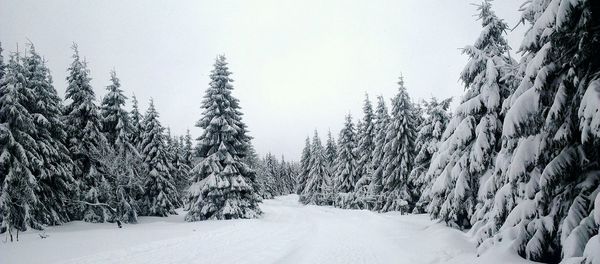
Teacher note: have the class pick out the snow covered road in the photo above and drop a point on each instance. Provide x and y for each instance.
(287, 233)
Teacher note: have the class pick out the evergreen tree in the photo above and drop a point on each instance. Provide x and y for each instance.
(318, 183)
(116, 123)
(160, 196)
(381, 123)
(345, 163)
(223, 185)
(188, 152)
(271, 177)
(87, 144)
(54, 176)
(180, 168)
(399, 152)
(136, 123)
(547, 197)
(18, 150)
(426, 144)
(330, 150)
(365, 147)
(304, 166)
(471, 139)
(125, 161)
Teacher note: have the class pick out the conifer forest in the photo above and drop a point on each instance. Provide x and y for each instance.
(506, 171)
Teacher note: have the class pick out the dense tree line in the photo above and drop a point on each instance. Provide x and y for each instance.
(97, 162)
(518, 159)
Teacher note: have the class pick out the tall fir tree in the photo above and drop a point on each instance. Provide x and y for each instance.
(125, 161)
(547, 200)
(304, 166)
(346, 174)
(331, 149)
(188, 150)
(381, 123)
(18, 154)
(426, 144)
(160, 196)
(136, 123)
(399, 152)
(365, 147)
(87, 144)
(116, 123)
(54, 176)
(318, 183)
(223, 185)
(471, 139)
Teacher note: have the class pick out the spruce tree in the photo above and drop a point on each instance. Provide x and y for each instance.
(365, 147)
(547, 200)
(471, 140)
(304, 166)
(188, 150)
(87, 145)
(399, 152)
(318, 183)
(426, 144)
(223, 185)
(54, 176)
(381, 123)
(331, 150)
(345, 174)
(136, 123)
(18, 153)
(160, 196)
(116, 123)
(125, 161)
(180, 168)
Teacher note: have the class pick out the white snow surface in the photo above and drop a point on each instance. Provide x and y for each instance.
(288, 232)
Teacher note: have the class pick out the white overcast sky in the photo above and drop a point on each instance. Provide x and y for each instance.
(297, 65)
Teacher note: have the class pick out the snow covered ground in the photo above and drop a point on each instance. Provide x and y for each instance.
(287, 233)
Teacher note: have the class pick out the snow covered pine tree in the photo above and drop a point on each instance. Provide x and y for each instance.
(125, 161)
(345, 171)
(318, 189)
(470, 141)
(426, 145)
(547, 199)
(160, 196)
(87, 145)
(399, 153)
(223, 185)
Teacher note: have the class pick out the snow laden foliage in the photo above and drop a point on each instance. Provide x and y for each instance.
(345, 171)
(276, 177)
(319, 186)
(116, 123)
(382, 119)
(136, 120)
(331, 152)
(398, 153)
(471, 140)
(160, 197)
(426, 145)
(345, 165)
(551, 127)
(18, 156)
(268, 171)
(54, 180)
(223, 185)
(87, 145)
(124, 162)
(364, 149)
(304, 169)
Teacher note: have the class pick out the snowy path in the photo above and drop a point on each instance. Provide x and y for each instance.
(288, 233)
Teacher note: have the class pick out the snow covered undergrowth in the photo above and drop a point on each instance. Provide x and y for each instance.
(287, 233)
